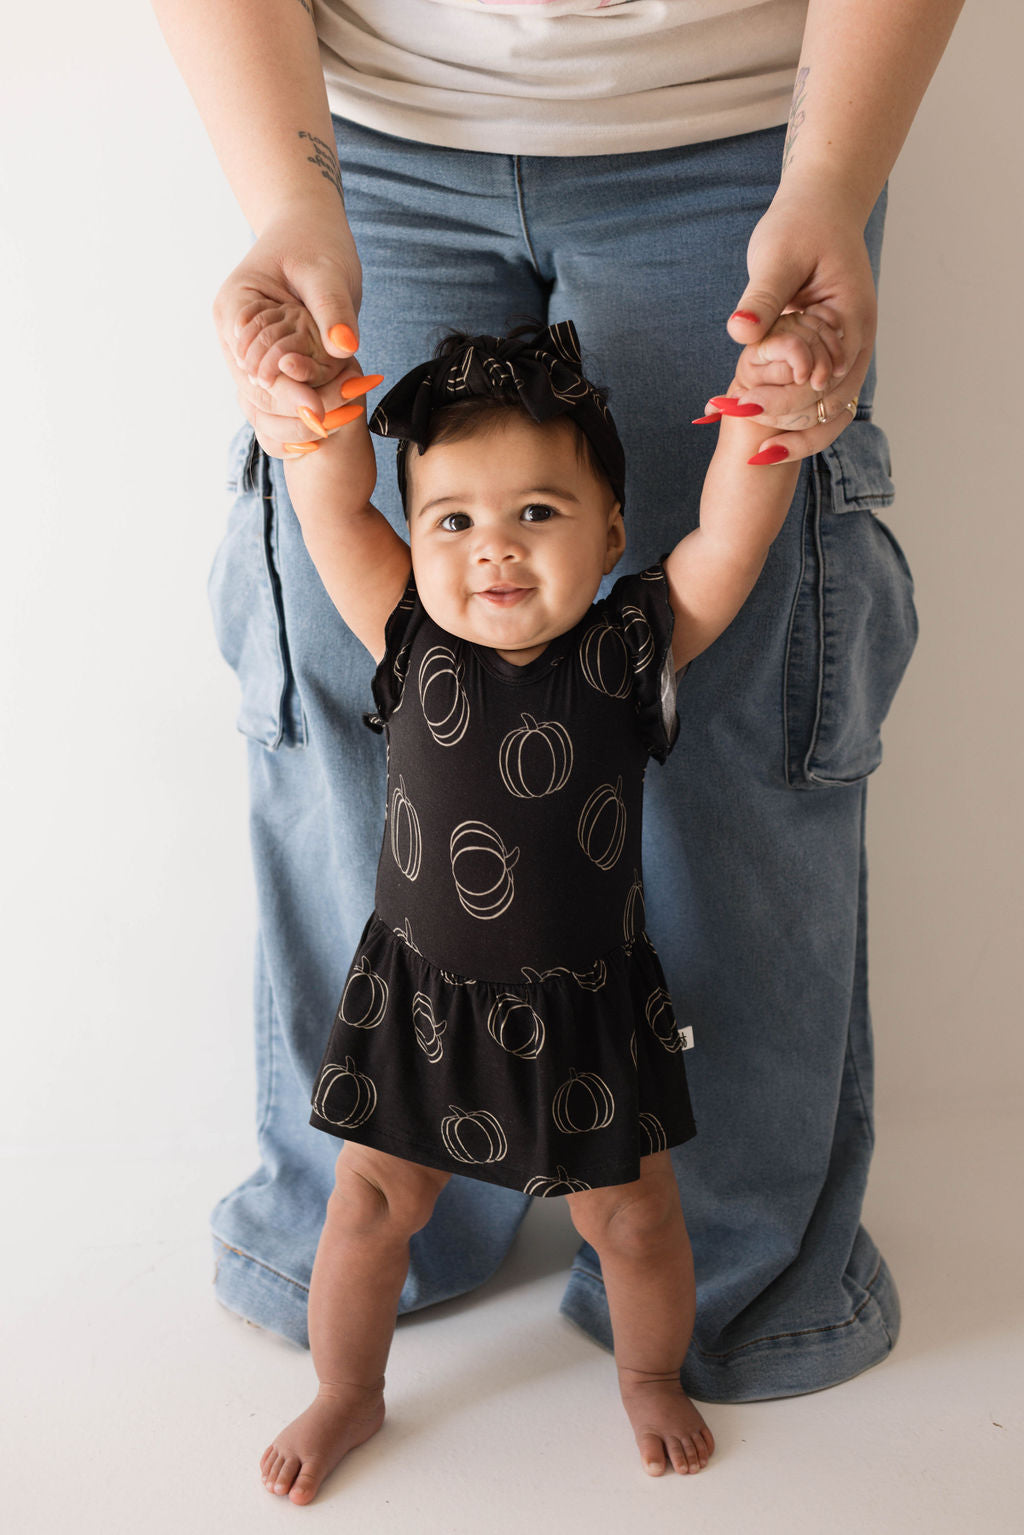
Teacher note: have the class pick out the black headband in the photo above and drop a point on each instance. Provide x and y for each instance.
(541, 372)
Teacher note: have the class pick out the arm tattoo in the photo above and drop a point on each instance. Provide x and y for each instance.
(325, 158)
(307, 8)
(796, 117)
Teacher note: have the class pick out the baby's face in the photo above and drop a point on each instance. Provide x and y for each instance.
(510, 534)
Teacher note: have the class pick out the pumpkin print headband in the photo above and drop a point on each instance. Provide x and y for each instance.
(540, 371)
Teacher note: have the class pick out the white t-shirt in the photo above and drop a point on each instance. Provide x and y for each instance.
(561, 77)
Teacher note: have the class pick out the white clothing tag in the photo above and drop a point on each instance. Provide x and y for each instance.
(686, 1035)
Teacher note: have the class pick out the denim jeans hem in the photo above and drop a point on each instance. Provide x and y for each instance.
(259, 1294)
(788, 1364)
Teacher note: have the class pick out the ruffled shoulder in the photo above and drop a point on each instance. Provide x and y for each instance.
(639, 609)
(389, 678)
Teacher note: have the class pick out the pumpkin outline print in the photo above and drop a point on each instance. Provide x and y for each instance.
(587, 980)
(604, 659)
(406, 836)
(602, 1103)
(639, 636)
(440, 666)
(505, 1005)
(366, 1094)
(634, 917)
(654, 1130)
(558, 1182)
(659, 1014)
(377, 1003)
(494, 900)
(451, 1134)
(427, 1028)
(606, 849)
(404, 933)
(517, 742)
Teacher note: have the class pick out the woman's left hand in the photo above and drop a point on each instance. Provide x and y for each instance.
(804, 255)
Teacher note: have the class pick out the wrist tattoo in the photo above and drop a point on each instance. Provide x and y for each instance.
(796, 116)
(307, 8)
(326, 160)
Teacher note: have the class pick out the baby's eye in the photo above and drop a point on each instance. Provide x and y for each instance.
(455, 522)
(538, 511)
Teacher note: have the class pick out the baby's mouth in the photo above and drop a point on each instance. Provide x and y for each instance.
(504, 593)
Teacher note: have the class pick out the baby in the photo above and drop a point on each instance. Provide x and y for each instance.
(505, 1016)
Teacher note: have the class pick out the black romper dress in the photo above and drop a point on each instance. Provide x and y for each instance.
(506, 1016)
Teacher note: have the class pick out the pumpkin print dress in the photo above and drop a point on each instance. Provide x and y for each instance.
(506, 1016)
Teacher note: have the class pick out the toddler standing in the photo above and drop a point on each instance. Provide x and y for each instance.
(505, 1016)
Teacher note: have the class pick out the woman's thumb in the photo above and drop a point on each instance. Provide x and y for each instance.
(755, 314)
(335, 318)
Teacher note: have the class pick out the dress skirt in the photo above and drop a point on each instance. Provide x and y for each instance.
(549, 1086)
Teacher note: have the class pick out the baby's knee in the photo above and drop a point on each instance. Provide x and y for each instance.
(632, 1224)
(379, 1189)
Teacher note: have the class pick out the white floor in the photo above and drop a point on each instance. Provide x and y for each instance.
(134, 1402)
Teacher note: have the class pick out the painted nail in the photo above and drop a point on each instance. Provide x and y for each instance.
(343, 336)
(716, 415)
(336, 418)
(774, 454)
(730, 406)
(300, 449)
(353, 387)
(745, 314)
(307, 418)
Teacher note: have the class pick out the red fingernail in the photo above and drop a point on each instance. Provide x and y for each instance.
(771, 455)
(745, 314)
(730, 406)
(343, 336)
(702, 420)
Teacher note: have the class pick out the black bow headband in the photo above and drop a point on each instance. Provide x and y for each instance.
(541, 371)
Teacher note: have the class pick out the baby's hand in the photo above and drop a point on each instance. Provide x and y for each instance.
(278, 333)
(800, 349)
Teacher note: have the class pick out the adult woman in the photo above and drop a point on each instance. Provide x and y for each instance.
(511, 164)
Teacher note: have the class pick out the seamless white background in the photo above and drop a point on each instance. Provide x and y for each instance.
(128, 911)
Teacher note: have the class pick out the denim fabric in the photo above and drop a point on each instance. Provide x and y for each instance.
(754, 850)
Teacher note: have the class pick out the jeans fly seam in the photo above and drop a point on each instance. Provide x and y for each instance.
(522, 213)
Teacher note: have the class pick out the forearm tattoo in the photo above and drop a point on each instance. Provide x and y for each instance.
(325, 158)
(796, 116)
(307, 8)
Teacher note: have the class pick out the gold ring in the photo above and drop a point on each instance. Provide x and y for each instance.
(822, 414)
(851, 406)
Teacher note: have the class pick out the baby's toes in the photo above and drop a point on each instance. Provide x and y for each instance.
(307, 1482)
(274, 1460)
(684, 1456)
(652, 1453)
(286, 1474)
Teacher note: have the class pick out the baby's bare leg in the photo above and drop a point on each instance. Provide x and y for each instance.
(361, 1263)
(640, 1236)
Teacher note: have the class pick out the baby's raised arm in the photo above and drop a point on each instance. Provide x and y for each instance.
(712, 571)
(360, 559)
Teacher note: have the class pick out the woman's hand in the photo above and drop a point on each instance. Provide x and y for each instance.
(286, 319)
(806, 254)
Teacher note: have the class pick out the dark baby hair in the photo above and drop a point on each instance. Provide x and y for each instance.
(479, 413)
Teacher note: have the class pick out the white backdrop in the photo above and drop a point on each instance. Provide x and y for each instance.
(128, 907)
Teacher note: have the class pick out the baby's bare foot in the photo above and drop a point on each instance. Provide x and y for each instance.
(668, 1427)
(305, 1452)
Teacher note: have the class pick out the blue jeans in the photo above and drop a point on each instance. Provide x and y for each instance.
(755, 829)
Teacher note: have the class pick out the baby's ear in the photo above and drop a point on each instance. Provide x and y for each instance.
(616, 544)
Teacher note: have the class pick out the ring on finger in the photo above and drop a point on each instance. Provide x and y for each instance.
(822, 412)
(851, 406)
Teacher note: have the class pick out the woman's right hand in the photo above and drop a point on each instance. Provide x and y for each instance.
(286, 319)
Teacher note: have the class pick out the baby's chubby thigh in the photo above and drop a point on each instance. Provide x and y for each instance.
(373, 1187)
(629, 1217)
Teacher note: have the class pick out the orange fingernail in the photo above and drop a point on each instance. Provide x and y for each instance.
(336, 418)
(352, 387)
(299, 449)
(307, 418)
(345, 336)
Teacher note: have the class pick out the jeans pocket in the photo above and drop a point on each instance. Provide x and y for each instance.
(248, 611)
(853, 625)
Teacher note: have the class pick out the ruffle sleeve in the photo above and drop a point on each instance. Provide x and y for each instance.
(389, 678)
(640, 608)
